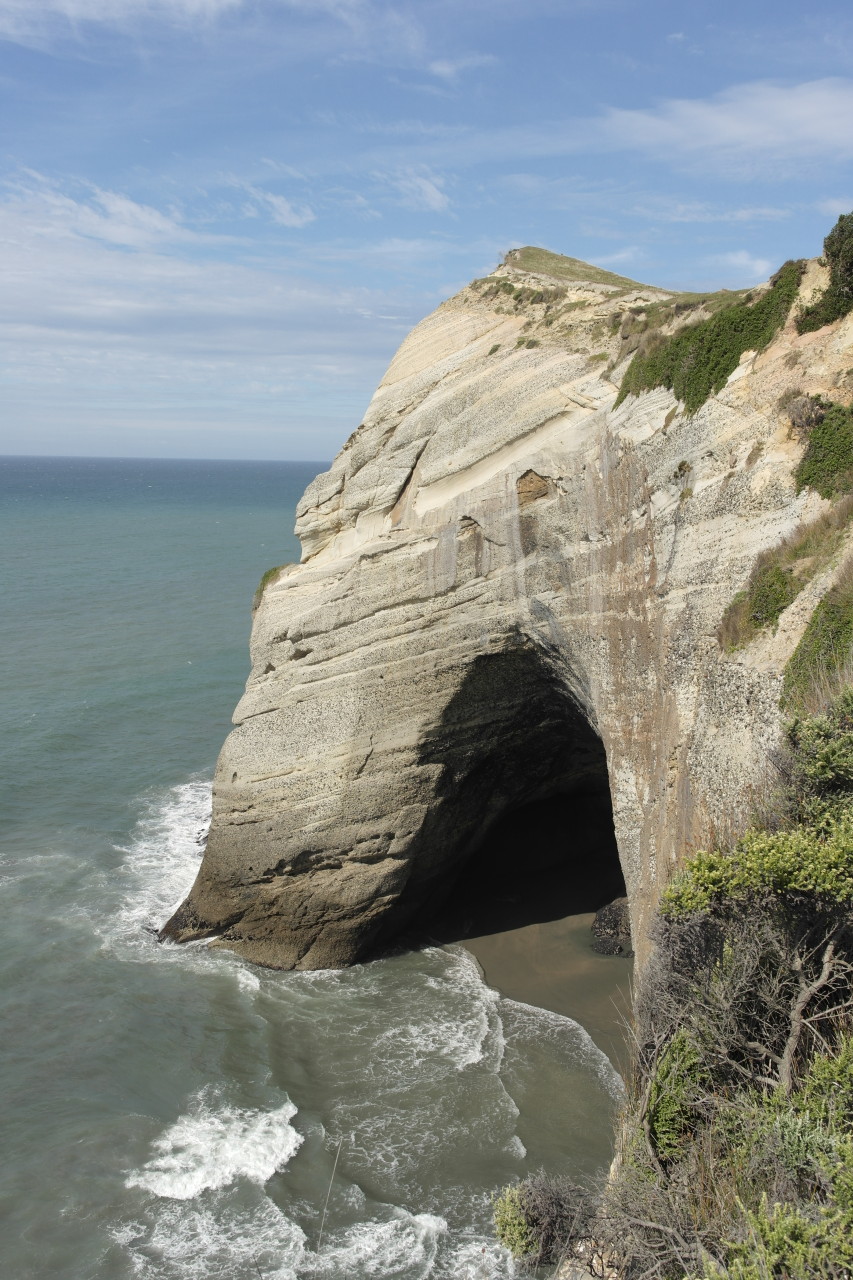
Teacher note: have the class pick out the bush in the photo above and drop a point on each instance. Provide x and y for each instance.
(827, 464)
(785, 1242)
(797, 861)
(543, 1218)
(268, 577)
(735, 1156)
(826, 643)
(837, 300)
(511, 1225)
(697, 361)
(672, 1096)
(780, 573)
(773, 590)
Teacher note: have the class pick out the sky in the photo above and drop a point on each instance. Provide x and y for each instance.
(219, 218)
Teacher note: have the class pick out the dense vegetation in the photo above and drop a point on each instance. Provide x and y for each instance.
(736, 1149)
(827, 464)
(697, 361)
(837, 300)
(781, 572)
(822, 658)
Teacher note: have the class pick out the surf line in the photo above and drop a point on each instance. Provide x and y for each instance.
(329, 1192)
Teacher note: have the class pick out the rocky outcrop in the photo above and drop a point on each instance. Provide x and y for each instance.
(509, 592)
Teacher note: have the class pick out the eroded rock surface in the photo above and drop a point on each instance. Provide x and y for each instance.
(508, 590)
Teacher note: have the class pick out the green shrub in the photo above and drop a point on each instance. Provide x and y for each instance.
(784, 1243)
(672, 1092)
(794, 861)
(826, 643)
(543, 1218)
(511, 1225)
(773, 591)
(827, 464)
(826, 1093)
(781, 572)
(268, 577)
(697, 361)
(823, 746)
(837, 300)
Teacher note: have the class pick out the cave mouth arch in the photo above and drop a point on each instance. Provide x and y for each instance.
(521, 828)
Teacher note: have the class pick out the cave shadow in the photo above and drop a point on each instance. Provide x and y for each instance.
(543, 861)
(521, 828)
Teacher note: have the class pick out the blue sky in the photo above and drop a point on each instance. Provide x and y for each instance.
(219, 218)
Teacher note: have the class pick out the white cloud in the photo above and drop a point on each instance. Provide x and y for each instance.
(630, 254)
(661, 210)
(280, 209)
(419, 189)
(745, 263)
(752, 123)
(114, 312)
(18, 17)
(835, 207)
(106, 216)
(450, 68)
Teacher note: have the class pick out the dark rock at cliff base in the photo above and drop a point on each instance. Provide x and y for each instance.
(611, 929)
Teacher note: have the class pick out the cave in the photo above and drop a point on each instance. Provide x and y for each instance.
(521, 831)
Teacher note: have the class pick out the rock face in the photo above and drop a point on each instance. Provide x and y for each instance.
(611, 929)
(509, 593)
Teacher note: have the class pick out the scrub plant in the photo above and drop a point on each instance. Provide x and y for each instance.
(837, 299)
(697, 361)
(735, 1154)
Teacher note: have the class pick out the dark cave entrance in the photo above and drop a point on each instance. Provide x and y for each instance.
(522, 831)
(543, 861)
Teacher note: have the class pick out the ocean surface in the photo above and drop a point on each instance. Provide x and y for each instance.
(174, 1113)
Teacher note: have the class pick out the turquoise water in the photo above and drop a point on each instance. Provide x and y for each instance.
(176, 1113)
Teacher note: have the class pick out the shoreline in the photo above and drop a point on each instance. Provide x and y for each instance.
(552, 965)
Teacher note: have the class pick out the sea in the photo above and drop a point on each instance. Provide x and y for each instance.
(174, 1113)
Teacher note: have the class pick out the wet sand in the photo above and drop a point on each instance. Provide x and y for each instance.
(552, 965)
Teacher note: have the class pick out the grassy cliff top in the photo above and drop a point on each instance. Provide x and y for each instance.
(543, 262)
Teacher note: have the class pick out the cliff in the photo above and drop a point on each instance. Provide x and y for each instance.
(509, 595)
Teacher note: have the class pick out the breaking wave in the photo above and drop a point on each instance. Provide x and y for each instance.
(209, 1148)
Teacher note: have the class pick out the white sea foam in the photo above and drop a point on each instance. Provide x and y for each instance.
(211, 1147)
(217, 1238)
(574, 1045)
(160, 863)
(479, 1259)
(403, 1247)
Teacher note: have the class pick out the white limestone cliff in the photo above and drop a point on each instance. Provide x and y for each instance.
(509, 590)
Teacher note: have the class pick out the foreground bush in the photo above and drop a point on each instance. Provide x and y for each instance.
(735, 1152)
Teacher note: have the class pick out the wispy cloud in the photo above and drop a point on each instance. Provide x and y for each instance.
(661, 210)
(418, 189)
(630, 254)
(280, 209)
(451, 68)
(94, 214)
(745, 264)
(103, 293)
(835, 207)
(18, 17)
(758, 124)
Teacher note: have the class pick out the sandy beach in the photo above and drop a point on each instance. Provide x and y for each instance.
(552, 965)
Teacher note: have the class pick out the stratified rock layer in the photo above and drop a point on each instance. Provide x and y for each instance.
(507, 587)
